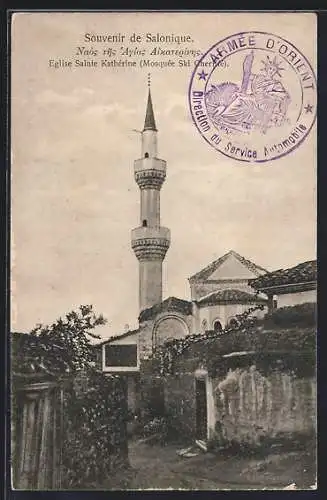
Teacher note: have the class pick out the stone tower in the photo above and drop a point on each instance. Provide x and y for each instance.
(150, 241)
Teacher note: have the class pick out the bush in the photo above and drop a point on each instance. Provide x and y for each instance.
(304, 315)
(94, 434)
(158, 425)
(95, 428)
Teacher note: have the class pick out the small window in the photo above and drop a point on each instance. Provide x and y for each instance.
(121, 355)
(217, 326)
(145, 223)
(146, 155)
(274, 303)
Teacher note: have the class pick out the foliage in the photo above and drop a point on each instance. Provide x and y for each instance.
(158, 425)
(166, 354)
(95, 406)
(283, 334)
(300, 315)
(95, 428)
(61, 348)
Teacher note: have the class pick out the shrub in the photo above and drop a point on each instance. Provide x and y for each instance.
(95, 428)
(158, 425)
(304, 315)
(94, 431)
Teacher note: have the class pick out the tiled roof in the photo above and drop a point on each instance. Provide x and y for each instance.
(208, 270)
(116, 337)
(305, 272)
(170, 304)
(230, 296)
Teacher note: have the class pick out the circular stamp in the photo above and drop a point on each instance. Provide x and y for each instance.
(253, 96)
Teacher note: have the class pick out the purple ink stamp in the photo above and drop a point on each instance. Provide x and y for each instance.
(253, 96)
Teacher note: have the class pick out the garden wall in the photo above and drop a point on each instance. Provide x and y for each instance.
(170, 396)
(247, 402)
(251, 406)
(260, 380)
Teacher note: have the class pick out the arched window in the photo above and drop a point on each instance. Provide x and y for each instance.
(146, 155)
(217, 326)
(169, 327)
(144, 223)
(204, 325)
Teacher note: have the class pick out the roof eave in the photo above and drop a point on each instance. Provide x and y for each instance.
(287, 287)
(117, 337)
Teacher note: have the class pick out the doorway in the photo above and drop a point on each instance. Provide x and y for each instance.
(201, 408)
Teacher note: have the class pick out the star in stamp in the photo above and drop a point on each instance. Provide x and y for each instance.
(253, 97)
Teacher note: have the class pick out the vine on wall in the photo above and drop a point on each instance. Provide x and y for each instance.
(165, 355)
(289, 331)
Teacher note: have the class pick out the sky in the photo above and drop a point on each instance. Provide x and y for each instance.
(74, 197)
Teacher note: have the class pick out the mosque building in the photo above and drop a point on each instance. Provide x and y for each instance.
(219, 292)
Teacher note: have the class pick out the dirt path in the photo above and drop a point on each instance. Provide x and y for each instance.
(160, 467)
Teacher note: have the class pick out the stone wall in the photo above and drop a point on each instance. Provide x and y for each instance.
(151, 395)
(165, 326)
(145, 339)
(291, 299)
(244, 405)
(251, 406)
(180, 402)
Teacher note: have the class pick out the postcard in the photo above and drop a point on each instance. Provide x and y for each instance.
(163, 250)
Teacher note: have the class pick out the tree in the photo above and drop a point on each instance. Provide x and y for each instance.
(61, 348)
(94, 405)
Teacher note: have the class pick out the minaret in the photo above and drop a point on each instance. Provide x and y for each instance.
(150, 241)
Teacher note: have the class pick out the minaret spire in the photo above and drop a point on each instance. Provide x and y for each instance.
(150, 240)
(149, 122)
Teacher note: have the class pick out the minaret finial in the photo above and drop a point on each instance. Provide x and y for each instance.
(149, 123)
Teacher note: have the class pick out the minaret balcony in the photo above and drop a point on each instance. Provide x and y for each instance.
(149, 173)
(150, 243)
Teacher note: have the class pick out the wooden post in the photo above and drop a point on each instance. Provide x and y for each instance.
(44, 462)
(39, 420)
(54, 440)
(26, 480)
(57, 437)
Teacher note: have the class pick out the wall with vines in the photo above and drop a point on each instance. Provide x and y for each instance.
(262, 374)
